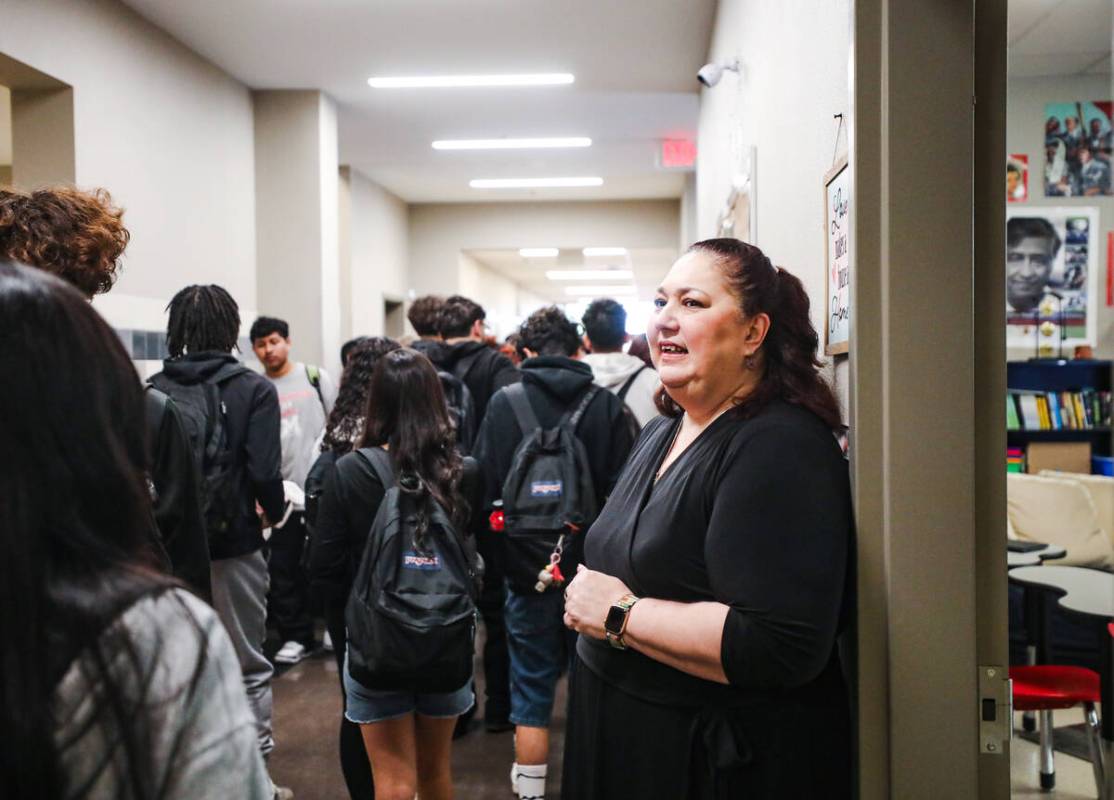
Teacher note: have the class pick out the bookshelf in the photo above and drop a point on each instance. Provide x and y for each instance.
(1057, 382)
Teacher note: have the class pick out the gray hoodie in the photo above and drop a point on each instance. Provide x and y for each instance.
(611, 371)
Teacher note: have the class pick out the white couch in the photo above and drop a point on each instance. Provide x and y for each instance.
(1066, 509)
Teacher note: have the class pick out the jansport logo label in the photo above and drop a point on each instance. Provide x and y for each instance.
(423, 561)
(545, 489)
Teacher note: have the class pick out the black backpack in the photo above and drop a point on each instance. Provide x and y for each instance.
(206, 422)
(411, 613)
(548, 495)
(322, 467)
(461, 408)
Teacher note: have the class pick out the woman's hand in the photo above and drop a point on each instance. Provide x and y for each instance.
(588, 598)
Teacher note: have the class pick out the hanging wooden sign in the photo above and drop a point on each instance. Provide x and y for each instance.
(837, 258)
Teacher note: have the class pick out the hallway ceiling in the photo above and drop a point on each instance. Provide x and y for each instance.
(635, 63)
(1059, 37)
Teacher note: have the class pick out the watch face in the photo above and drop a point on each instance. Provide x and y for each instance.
(614, 621)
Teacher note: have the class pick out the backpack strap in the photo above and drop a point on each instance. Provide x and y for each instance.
(622, 393)
(313, 374)
(156, 411)
(573, 419)
(380, 463)
(520, 404)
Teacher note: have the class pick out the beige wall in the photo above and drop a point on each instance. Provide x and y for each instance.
(379, 244)
(167, 132)
(505, 302)
(1026, 99)
(297, 224)
(439, 233)
(5, 128)
(794, 79)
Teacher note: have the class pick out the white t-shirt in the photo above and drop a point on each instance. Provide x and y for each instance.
(303, 419)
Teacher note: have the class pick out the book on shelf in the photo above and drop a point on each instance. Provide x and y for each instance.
(1081, 410)
(1015, 459)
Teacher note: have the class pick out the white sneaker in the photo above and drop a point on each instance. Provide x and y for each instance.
(327, 642)
(291, 653)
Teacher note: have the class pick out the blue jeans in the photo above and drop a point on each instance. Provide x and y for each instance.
(539, 645)
(364, 706)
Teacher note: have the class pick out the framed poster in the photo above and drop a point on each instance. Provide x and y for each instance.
(1017, 178)
(837, 258)
(1077, 149)
(739, 218)
(1051, 276)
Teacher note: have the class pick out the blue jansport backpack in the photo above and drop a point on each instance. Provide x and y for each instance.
(411, 614)
(548, 497)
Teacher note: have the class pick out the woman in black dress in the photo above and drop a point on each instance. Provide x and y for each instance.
(717, 577)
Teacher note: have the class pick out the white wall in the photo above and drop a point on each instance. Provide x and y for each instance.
(380, 247)
(5, 127)
(168, 133)
(439, 233)
(794, 56)
(1025, 117)
(505, 302)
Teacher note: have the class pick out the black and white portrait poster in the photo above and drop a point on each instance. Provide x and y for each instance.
(1051, 276)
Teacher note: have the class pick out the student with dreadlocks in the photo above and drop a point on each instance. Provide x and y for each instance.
(233, 414)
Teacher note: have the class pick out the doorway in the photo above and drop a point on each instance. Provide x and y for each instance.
(394, 318)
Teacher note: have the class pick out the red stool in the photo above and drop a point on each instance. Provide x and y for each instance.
(1046, 688)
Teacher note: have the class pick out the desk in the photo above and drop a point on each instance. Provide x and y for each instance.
(1089, 592)
(1033, 558)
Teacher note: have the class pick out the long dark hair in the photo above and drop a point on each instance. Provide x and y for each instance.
(346, 420)
(75, 530)
(407, 411)
(788, 357)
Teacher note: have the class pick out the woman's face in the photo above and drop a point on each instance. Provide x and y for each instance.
(697, 334)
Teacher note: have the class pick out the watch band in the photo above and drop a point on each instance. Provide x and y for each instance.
(626, 603)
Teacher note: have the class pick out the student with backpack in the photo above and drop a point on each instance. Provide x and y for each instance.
(483, 370)
(80, 236)
(632, 381)
(342, 435)
(306, 395)
(393, 526)
(551, 448)
(232, 415)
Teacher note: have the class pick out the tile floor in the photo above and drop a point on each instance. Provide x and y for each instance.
(1074, 778)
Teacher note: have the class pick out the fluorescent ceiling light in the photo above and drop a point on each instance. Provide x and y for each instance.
(465, 81)
(599, 291)
(589, 274)
(539, 252)
(511, 144)
(604, 251)
(532, 183)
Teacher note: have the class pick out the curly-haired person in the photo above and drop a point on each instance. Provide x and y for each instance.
(79, 236)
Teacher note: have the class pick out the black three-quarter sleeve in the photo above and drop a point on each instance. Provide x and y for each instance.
(776, 553)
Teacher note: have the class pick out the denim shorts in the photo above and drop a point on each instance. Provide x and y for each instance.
(364, 706)
(539, 645)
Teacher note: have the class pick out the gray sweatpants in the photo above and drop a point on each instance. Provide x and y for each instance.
(240, 599)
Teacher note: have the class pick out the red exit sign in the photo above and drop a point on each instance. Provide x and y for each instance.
(677, 153)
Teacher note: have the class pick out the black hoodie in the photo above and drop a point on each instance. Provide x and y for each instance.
(483, 369)
(252, 413)
(553, 386)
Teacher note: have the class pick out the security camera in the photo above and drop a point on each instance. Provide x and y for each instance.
(711, 74)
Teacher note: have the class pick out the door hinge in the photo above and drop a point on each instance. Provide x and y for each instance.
(995, 710)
